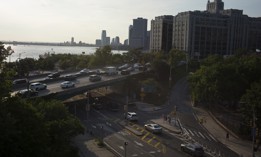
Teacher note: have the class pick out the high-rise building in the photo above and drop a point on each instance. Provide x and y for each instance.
(215, 31)
(72, 41)
(138, 33)
(108, 41)
(98, 42)
(103, 38)
(161, 34)
(117, 40)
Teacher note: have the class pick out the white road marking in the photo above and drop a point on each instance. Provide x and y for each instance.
(191, 132)
(94, 126)
(208, 138)
(212, 137)
(139, 144)
(196, 133)
(152, 152)
(121, 147)
(134, 155)
(201, 135)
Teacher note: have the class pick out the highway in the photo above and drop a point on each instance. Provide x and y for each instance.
(53, 86)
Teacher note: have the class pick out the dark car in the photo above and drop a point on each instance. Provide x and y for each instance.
(193, 149)
(94, 78)
(25, 93)
(54, 75)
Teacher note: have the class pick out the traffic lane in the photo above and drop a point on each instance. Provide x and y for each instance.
(190, 122)
(134, 147)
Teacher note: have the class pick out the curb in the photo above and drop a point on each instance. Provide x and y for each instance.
(112, 150)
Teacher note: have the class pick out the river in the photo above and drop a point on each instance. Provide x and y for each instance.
(33, 51)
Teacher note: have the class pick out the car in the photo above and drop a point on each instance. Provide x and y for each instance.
(67, 84)
(84, 71)
(70, 77)
(54, 75)
(125, 66)
(27, 93)
(125, 72)
(132, 116)
(37, 86)
(94, 78)
(154, 128)
(20, 81)
(193, 149)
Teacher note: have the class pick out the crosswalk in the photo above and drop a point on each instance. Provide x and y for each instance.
(195, 133)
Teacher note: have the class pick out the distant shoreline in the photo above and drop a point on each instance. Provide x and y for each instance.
(122, 47)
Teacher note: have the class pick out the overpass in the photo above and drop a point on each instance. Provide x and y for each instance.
(82, 85)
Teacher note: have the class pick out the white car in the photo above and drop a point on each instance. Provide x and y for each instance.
(67, 84)
(132, 116)
(37, 86)
(154, 128)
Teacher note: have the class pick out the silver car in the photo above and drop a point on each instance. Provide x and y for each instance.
(67, 84)
(37, 86)
(154, 128)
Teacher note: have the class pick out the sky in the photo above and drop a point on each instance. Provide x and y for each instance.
(60, 20)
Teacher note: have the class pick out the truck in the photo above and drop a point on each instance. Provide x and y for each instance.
(111, 70)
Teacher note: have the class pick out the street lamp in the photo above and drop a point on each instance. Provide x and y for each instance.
(253, 131)
(125, 149)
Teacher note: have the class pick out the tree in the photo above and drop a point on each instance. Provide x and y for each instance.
(5, 73)
(251, 102)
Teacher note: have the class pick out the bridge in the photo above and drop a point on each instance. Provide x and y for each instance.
(82, 85)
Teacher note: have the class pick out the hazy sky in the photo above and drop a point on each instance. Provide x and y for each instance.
(59, 20)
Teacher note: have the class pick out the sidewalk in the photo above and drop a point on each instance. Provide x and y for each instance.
(219, 131)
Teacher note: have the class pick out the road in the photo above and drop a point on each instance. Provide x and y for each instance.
(54, 86)
(166, 144)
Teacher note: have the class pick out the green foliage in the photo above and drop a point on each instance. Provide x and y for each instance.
(224, 81)
(251, 102)
(37, 128)
(24, 66)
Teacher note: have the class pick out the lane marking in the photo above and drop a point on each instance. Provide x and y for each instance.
(157, 144)
(145, 136)
(201, 135)
(196, 133)
(139, 144)
(212, 137)
(208, 138)
(151, 139)
(191, 132)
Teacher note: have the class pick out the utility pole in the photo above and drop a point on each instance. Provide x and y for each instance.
(125, 149)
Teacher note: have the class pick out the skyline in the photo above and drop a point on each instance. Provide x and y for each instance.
(59, 20)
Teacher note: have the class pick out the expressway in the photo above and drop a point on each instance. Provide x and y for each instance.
(82, 84)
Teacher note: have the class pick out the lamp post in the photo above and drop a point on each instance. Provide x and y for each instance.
(125, 149)
(253, 131)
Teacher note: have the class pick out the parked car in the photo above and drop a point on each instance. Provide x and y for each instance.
(132, 116)
(37, 86)
(193, 149)
(154, 128)
(54, 75)
(67, 84)
(94, 78)
(70, 77)
(20, 81)
(26, 93)
(125, 72)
